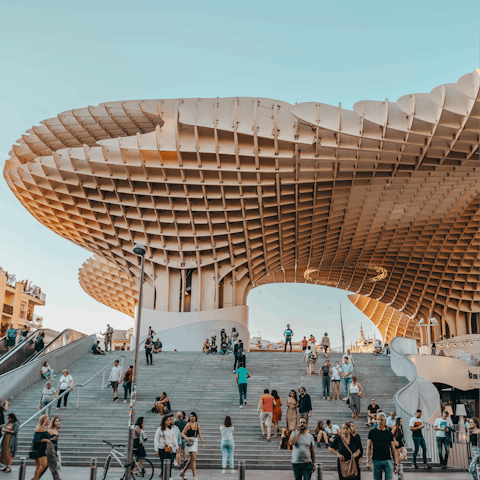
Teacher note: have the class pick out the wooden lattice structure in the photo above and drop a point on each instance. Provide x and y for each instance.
(231, 193)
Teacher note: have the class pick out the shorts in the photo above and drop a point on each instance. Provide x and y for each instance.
(115, 385)
(10, 342)
(304, 348)
(139, 451)
(338, 381)
(380, 466)
(266, 418)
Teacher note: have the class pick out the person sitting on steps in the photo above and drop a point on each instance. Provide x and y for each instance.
(162, 405)
(206, 346)
(214, 348)
(96, 350)
(157, 346)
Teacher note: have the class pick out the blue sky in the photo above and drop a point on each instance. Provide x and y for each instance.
(61, 55)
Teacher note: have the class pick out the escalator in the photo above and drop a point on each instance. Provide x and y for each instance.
(25, 352)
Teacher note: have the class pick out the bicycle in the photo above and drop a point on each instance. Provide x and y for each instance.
(145, 470)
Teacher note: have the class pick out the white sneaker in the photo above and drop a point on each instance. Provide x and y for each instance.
(233, 371)
(345, 399)
(224, 471)
(244, 402)
(233, 471)
(241, 406)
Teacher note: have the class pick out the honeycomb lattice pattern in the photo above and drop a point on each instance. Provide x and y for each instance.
(266, 190)
(109, 285)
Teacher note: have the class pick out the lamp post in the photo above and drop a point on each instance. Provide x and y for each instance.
(139, 250)
(433, 323)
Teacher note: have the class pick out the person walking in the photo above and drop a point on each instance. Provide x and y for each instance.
(266, 415)
(325, 373)
(127, 383)
(115, 378)
(148, 350)
(138, 448)
(228, 444)
(242, 379)
(359, 459)
(399, 440)
(443, 425)
(164, 440)
(336, 375)
(107, 338)
(325, 343)
(11, 335)
(303, 452)
(51, 451)
(180, 423)
(346, 447)
(277, 411)
(309, 359)
(416, 426)
(41, 438)
(46, 397)
(292, 405)
(239, 355)
(288, 334)
(304, 404)
(64, 385)
(473, 434)
(381, 440)
(191, 433)
(354, 395)
(3, 409)
(9, 442)
(347, 371)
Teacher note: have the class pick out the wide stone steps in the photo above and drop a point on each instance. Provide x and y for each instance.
(204, 384)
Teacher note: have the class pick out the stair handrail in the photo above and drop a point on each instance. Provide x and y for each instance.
(80, 385)
(20, 345)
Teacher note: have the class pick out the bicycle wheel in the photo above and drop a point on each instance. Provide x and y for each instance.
(106, 466)
(145, 471)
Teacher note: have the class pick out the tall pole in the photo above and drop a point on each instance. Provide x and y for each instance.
(131, 418)
(343, 333)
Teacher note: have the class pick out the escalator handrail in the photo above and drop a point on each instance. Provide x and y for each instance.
(19, 346)
(38, 354)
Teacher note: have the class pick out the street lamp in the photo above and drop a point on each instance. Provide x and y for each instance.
(139, 250)
(433, 323)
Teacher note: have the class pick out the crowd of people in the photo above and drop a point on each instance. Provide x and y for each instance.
(225, 345)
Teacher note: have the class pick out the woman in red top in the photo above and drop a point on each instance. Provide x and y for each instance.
(277, 411)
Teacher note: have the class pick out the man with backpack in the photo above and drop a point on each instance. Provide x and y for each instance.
(239, 355)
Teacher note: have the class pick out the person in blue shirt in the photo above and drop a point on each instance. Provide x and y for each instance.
(11, 335)
(347, 372)
(288, 334)
(242, 376)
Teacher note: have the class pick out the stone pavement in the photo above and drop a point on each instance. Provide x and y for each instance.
(83, 473)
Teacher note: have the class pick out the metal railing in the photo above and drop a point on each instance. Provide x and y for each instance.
(79, 386)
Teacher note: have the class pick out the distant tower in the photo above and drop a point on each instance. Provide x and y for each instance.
(362, 336)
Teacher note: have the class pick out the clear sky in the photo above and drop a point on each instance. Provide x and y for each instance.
(55, 56)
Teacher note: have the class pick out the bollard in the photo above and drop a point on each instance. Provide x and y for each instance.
(241, 470)
(103, 380)
(400, 472)
(319, 471)
(23, 468)
(93, 469)
(166, 469)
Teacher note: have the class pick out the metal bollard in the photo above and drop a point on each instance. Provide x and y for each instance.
(93, 469)
(400, 472)
(23, 468)
(241, 470)
(166, 469)
(319, 471)
(103, 380)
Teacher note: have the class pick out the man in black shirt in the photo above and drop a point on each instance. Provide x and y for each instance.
(382, 440)
(239, 355)
(304, 404)
(372, 411)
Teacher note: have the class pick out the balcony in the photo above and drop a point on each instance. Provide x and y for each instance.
(8, 309)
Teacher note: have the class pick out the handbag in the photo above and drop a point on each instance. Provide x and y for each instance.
(348, 467)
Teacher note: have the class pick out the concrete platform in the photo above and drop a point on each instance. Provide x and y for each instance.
(83, 473)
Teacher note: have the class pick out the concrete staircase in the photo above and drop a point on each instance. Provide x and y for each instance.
(204, 384)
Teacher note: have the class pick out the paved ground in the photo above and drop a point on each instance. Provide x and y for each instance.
(82, 473)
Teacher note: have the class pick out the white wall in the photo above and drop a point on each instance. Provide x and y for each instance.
(188, 331)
